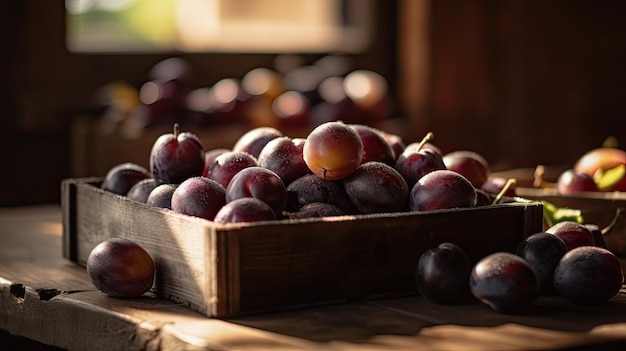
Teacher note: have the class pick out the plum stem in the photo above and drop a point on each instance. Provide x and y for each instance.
(506, 187)
(176, 130)
(618, 215)
(428, 137)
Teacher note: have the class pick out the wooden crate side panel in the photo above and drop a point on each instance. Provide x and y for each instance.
(599, 209)
(290, 266)
(182, 247)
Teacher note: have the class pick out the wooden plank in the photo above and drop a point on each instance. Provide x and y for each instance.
(231, 269)
(45, 297)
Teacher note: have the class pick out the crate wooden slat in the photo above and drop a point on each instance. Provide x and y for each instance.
(235, 269)
(598, 208)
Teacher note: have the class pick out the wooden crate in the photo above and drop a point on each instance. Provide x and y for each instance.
(225, 270)
(599, 208)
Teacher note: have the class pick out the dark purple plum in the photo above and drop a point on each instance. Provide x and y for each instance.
(588, 275)
(395, 142)
(375, 187)
(209, 158)
(161, 196)
(142, 189)
(494, 185)
(260, 183)
(413, 164)
(254, 140)
(442, 189)
(316, 210)
(283, 155)
(200, 197)
(470, 164)
(543, 251)
(245, 209)
(598, 237)
(122, 177)
(442, 275)
(573, 234)
(311, 188)
(375, 147)
(505, 282)
(483, 198)
(120, 268)
(229, 163)
(571, 183)
(176, 156)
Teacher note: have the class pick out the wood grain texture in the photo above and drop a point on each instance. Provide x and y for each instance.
(224, 270)
(55, 304)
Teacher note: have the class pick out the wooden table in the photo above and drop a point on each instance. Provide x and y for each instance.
(49, 299)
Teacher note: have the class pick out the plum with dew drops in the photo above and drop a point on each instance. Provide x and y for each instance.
(505, 282)
(120, 178)
(141, 190)
(245, 209)
(588, 275)
(176, 156)
(376, 187)
(200, 197)
(543, 251)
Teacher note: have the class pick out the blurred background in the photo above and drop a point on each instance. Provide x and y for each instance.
(88, 84)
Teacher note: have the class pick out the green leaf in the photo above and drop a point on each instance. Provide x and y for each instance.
(553, 214)
(610, 177)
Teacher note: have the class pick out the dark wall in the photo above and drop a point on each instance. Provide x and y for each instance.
(528, 82)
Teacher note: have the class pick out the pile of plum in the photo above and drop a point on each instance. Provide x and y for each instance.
(338, 169)
(568, 261)
(346, 169)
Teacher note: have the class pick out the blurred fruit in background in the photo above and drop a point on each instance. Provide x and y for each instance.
(291, 94)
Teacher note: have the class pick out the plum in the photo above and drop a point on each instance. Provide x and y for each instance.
(283, 155)
(311, 188)
(333, 150)
(120, 178)
(375, 187)
(254, 140)
(495, 184)
(245, 209)
(176, 156)
(395, 142)
(210, 156)
(573, 234)
(598, 236)
(483, 198)
(442, 189)
(200, 197)
(588, 275)
(571, 183)
(120, 268)
(141, 190)
(260, 183)
(161, 196)
(543, 251)
(505, 282)
(375, 147)
(315, 210)
(470, 164)
(413, 164)
(229, 163)
(442, 275)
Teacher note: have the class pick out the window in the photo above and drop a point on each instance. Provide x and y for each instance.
(229, 26)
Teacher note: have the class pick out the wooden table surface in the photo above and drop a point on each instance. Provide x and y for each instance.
(47, 298)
